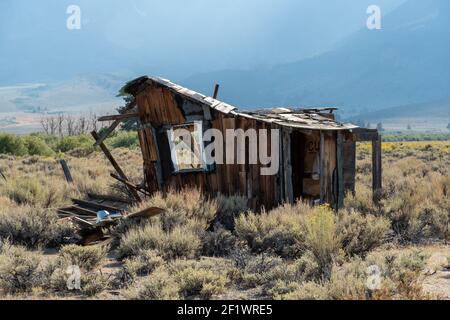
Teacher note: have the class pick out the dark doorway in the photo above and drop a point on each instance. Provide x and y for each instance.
(298, 163)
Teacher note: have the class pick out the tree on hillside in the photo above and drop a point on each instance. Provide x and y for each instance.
(380, 126)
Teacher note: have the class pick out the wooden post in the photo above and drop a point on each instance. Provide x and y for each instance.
(66, 170)
(115, 165)
(216, 91)
(287, 165)
(376, 167)
(158, 165)
(322, 166)
(3, 176)
(340, 169)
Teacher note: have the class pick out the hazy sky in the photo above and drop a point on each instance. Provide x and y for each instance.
(174, 38)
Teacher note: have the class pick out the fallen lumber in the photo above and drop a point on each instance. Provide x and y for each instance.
(130, 185)
(146, 213)
(109, 198)
(96, 205)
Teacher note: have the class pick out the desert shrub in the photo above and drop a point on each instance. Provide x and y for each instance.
(143, 264)
(202, 278)
(124, 139)
(299, 291)
(37, 191)
(218, 242)
(18, 269)
(321, 238)
(195, 207)
(358, 234)
(36, 146)
(170, 219)
(263, 270)
(280, 231)
(159, 285)
(182, 241)
(305, 268)
(70, 143)
(12, 144)
(34, 227)
(93, 283)
(86, 258)
(200, 282)
(229, 208)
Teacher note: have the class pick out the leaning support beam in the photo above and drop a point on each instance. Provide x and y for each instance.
(376, 167)
(129, 184)
(115, 165)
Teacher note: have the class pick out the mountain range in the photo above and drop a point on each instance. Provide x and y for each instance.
(404, 64)
(296, 53)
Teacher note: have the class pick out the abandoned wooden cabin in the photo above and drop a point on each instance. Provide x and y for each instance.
(316, 152)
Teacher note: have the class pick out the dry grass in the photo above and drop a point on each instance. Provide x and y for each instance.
(292, 252)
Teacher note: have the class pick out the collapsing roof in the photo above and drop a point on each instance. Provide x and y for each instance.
(285, 117)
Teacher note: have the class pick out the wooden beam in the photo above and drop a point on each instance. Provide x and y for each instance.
(216, 91)
(146, 213)
(323, 176)
(108, 198)
(362, 134)
(119, 117)
(287, 165)
(114, 125)
(66, 171)
(115, 165)
(376, 168)
(96, 205)
(340, 169)
(158, 164)
(129, 184)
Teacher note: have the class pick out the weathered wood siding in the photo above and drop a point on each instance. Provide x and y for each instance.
(159, 107)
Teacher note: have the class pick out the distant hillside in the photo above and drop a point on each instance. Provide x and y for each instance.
(433, 116)
(22, 106)
(405, 63)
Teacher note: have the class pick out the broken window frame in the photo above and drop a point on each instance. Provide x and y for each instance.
(198, 129)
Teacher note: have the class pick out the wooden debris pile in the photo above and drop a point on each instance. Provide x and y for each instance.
(94, 215)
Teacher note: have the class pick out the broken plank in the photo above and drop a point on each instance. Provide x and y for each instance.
(119, 117)
(108, 198)
(146, 213)
(82, 222)
(96, 205)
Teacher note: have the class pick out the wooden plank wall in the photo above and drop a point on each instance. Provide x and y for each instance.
(159, 107)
